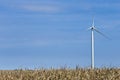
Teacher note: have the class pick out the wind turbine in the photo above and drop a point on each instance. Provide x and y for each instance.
(92, 43)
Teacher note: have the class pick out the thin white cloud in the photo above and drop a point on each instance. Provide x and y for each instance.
(11, 43)
(41, 8)
(87, 6)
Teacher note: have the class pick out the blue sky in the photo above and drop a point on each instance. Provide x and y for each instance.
(53, 33)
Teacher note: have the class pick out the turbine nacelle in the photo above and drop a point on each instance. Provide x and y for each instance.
(92, 28)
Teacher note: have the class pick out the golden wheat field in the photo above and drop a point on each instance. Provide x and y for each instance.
(61, 74)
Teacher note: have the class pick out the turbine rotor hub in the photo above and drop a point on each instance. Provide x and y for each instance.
(92, 28)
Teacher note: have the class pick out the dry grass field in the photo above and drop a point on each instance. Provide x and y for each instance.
(61, 74)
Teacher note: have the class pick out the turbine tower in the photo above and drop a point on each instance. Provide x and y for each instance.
(92, 46)
(92, 43)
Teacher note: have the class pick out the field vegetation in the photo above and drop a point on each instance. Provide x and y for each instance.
(61, 74)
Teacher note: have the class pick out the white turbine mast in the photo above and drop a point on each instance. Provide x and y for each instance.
(93, 28)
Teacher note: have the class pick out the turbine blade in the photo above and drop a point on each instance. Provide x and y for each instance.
(93, 24)
(102, 34)
(89, 28)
